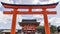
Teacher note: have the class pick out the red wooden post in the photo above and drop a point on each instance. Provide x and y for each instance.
(44, 12)
(14, 22)
(47, 28)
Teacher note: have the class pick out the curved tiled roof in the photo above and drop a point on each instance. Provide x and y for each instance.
(28, 21)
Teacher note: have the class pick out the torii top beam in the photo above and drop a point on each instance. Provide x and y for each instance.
(6, 5)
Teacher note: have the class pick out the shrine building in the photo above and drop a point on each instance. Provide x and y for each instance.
(29, 26)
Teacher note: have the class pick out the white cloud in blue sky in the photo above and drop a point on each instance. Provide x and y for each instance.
(5, 20)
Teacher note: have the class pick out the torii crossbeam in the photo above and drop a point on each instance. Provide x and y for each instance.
(30, 7)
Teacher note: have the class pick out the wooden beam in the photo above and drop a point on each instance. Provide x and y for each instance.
(18, 12)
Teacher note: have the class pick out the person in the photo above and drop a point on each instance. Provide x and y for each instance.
(58, 29)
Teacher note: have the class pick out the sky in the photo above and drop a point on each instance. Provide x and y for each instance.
(6, 20)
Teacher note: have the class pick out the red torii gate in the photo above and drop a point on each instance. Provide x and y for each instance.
(30, 7)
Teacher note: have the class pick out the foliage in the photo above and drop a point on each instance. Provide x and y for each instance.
(52, 29)
(1, 31)
(41, 29)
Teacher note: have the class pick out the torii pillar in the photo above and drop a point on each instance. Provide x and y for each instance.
(30, 7)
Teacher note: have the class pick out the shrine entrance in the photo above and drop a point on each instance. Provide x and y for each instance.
(29, 26)
(29, 32)
(15, 7)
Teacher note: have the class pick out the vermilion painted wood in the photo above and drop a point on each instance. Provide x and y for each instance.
(15, 12)
(8, 6)
(18, 12)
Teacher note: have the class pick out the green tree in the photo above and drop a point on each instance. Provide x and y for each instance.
(1, 31)
(41, 29)
(53, 29)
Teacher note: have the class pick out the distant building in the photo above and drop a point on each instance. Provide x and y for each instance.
(7, 31)
(29, 26)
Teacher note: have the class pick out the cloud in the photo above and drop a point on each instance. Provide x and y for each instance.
(29, 1)
(0, 4)
(4, 18)
(17, 2)
(55, 21)
(44, 2)
(7, 1)
(5, 21)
